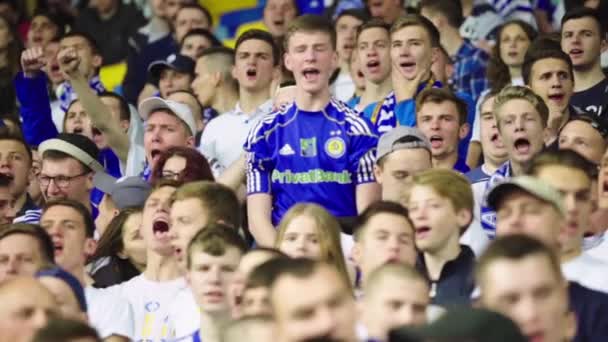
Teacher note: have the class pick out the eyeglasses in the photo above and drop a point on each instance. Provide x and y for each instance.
(60, 181)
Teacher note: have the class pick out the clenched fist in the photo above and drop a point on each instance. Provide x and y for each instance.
(69, 62)
(32, 60)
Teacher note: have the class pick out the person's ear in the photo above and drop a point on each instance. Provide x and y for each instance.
(288, 61)
(89, 181)
(96, 61)
(90, 245)
(434, 55)
(233, 72)
(378, 174)
(464, 217)
(463, 131)
(190, 141)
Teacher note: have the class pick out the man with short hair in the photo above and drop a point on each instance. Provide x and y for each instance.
(71, 229)
(277, 16)
(213, 256)
(39, 304)
(7, 210)
(196, 41)
(395, 295)
(521, 117)
(214, 84)
(314, 150)
(572, 176)
(402, 153)
(24, 250)
(373, 47)
(174, 73)
(414, 48)
(346, 26)
(387, 10)
(512, 274)
(583, 39)
(470, 62)
(442, 117)
(585, 134)
(189, 17)
(256, 61)
(69, 163)
(383, 234)
(329, 303)
(548, 71)
(16, 166)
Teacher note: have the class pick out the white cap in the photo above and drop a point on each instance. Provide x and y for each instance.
(182, 111)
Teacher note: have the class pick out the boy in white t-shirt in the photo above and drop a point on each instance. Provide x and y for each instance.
(212, 259)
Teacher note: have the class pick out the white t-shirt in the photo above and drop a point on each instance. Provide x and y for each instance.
(223, 137)
(184, 314)
(150, 301)
(475, 237)
(587, 271)
(109, 313)
(343, 87)
(600, 251)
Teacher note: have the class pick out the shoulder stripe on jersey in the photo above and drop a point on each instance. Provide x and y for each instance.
(254, 135)
(358, 125)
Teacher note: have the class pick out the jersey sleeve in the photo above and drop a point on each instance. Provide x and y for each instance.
(363, 143)
(260, 160)
(35, 109)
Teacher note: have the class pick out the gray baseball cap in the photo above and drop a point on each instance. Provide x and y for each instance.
(531, 185)
(126, 191)
(401, 137)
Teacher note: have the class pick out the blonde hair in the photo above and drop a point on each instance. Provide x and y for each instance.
(509, 93)
(328, 231)
(451, 185)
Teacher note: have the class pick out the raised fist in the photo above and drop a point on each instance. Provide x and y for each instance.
(32, 60)
(68, 61)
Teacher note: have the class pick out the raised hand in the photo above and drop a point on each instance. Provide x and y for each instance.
(406, 88)
(69, 62)
(32, 61)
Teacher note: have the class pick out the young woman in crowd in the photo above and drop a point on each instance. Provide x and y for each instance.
(182, 164)
(308, 231)
(121, 250)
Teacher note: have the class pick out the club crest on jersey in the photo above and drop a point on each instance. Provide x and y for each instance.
(308, 147)
(335, 147)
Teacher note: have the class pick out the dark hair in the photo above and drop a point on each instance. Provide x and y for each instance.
(196, 6)
(373, 23)
(35, 231)
(13, 49)
(515, 248)
(310, 23)
(56, 20)
(263, 274)
(543, 48)
(298, 267)
(450, 9)
(418, 20)
(61, 330)
(89, 224)
(20, 140)
(566, 158)
(125, 112)
(197, 167)
(202, 32)
(497, 72)
(214, 239)
(111, 244)
(585, 12)
(376, 208)
(263, 36)
(440, 95)
(356, 13)
(90, 40)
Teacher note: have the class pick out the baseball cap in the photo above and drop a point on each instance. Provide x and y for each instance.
(460, 324)
(126, 191)
(401, 137)
(70, 280)
(182, 111)
(76, 146)
(175, 61)
(531, 185)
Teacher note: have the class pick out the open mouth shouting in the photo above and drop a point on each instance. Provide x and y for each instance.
(575, 53)
(252, 74)
(557, 98)
(214, 296)
(496, 140)
(160, 228)
(373, 66)
(522, 146)
(436, 141)
(408, 67)
(422, 232)
(311, 74)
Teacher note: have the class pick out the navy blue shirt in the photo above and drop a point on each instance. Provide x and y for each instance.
(591, 309)
(319, 157)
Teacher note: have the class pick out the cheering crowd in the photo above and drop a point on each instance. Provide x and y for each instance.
(388, 170)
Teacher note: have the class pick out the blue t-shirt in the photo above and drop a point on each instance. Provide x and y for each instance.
(320, 157)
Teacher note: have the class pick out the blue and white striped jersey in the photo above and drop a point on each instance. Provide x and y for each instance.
(320, 157)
